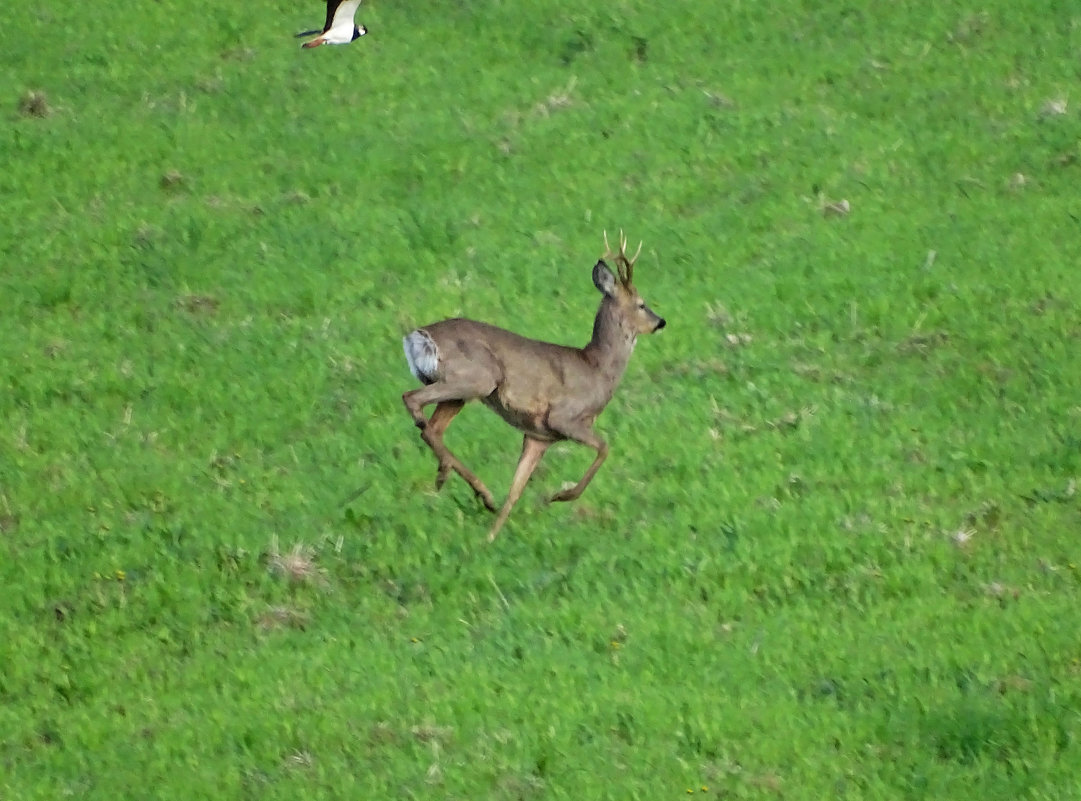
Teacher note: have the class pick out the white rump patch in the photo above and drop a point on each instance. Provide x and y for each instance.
(423, 355)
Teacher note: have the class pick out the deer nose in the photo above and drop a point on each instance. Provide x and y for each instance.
(660, 325)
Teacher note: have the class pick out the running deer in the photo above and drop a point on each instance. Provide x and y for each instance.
(548, 392)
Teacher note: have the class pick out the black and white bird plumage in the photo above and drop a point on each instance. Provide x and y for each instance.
(340, 27)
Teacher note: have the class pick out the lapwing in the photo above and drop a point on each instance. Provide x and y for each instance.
(340, 27)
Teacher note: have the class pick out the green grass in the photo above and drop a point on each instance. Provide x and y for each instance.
(834, 552)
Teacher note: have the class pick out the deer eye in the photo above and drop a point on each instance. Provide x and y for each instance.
(641, 305)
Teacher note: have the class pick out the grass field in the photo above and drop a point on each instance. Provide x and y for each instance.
(835, 550)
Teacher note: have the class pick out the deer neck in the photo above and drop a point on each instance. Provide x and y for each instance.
(612, 343)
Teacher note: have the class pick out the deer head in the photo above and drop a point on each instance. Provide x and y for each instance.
(632, 312)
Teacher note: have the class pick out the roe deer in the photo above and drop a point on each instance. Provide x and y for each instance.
(548, 392)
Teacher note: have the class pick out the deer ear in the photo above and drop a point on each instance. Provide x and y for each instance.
(603, 278)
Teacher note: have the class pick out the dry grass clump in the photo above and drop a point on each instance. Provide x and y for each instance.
(282, 617)
(34, 104)
(297, 564)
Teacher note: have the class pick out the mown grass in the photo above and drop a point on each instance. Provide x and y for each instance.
(834, 551)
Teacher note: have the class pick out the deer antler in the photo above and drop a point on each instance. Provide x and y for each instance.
(624, 265)
(628, 262)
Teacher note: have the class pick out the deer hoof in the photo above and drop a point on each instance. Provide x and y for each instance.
(566, 494)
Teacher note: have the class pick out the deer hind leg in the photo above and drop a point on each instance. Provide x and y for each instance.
(532, 451)
(449, 400)
(445, 411)
(585, 436)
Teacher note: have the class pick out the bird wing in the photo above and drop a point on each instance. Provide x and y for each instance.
(341, 12)
(332, 6)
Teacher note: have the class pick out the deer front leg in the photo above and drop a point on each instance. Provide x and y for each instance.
(532, 451)
(586, 436)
